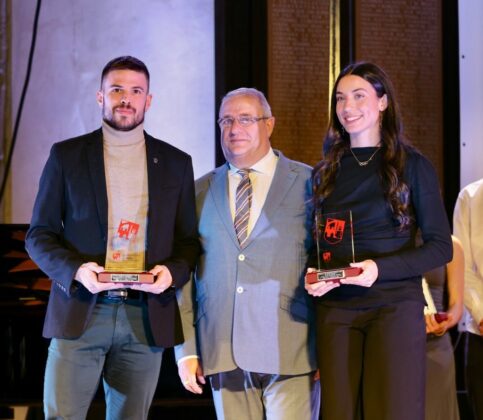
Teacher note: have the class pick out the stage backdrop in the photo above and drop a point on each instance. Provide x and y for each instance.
(75, 40)
(471, 90)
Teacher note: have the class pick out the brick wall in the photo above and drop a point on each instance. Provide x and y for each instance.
(298, 63)
(403, 36)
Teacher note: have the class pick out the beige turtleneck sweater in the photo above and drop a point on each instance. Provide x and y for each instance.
(127, 196)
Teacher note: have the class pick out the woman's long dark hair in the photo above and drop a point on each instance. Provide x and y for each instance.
(394, 145)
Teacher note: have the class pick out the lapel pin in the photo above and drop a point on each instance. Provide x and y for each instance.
(155, 160)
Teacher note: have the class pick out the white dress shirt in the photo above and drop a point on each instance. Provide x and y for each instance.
(468, 228)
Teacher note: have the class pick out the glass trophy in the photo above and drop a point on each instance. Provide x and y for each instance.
(335, 247)
(125, 257)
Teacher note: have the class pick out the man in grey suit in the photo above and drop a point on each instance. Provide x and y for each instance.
(254, 323)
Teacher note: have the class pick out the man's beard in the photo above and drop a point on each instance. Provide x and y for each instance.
(111, 122)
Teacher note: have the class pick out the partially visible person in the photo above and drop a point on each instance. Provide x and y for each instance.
(254, 322)
(120, 196)
(445, 286)
(468, 228)
(371, 340)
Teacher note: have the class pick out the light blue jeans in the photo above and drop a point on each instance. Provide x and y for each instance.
(114, 346)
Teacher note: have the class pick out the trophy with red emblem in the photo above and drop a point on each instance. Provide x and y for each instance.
(335, 247)
(125, 257)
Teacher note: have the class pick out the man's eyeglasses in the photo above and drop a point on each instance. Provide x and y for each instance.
(243, 120)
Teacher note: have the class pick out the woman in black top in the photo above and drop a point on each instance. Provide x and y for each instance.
(370, 328)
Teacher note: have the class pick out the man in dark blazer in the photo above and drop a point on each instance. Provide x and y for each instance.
(91, 188)
(254, 335)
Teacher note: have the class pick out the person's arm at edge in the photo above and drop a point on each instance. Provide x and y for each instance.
(473, 284)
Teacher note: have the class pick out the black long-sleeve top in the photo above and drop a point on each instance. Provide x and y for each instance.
(377, 235)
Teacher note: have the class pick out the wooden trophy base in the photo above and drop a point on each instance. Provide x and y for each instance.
(333, 275)
(125, 278)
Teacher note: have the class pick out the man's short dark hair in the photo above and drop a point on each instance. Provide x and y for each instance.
(125, 62)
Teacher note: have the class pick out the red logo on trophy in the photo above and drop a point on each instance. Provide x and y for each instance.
(125, 256)
(335, 247)
(127, 230)
(334, 230)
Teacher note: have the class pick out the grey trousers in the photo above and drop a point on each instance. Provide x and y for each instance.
(239, 394)
(114, 347)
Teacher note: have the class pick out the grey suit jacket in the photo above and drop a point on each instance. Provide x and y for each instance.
(249, 305)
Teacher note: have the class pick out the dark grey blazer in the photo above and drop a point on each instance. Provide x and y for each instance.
(69, 228)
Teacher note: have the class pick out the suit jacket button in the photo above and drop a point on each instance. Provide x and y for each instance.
(239, 289)
(241, 257)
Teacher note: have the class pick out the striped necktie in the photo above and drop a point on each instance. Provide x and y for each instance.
(243, 202)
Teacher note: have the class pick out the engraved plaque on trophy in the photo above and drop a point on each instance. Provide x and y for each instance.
(335, 247)
(125, 278)
(125, 257)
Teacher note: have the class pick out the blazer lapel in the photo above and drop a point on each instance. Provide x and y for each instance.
(282, 182)
(219, 193)
(95, 158)
(154, 163)
(155, 168)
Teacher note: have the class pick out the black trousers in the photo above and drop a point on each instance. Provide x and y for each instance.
(372, 362)
(474, 373)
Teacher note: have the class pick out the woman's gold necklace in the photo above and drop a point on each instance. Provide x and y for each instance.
(364, 162)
